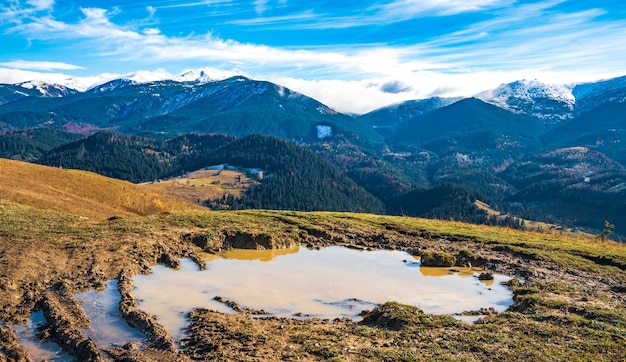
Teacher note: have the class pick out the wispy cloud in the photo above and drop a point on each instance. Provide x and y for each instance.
(187, 4)
(400, 9)
(41, 4)
(554, 41)
(368, 14)
(98, 33)
(512, 40)
(39, 65)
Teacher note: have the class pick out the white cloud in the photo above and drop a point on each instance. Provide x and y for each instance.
(260, 6)
(387, 13)
(366, 95)
(39, 65)
(409, 8)
(151, 10)
(356, 79)
(41, 4)
(195, 3)
(555, 42)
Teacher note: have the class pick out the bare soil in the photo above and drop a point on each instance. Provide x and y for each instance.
(38, 274)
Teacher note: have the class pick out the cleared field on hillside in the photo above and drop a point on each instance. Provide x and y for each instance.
(532, 225)
(202, 185)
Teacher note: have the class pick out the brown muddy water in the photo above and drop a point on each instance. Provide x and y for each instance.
(107, 328)
(38, 349)
(328, 283)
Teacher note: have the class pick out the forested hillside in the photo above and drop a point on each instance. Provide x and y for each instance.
(134, 158)
(32, 144)
(294, 178)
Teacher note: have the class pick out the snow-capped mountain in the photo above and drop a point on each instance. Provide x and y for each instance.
(48, 89)
(550, 103)
(196, 76)
(112, 85)
(591, 95)
(236, 106)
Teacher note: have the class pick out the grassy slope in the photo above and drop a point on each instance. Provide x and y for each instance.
(569, 307)
(79, 192)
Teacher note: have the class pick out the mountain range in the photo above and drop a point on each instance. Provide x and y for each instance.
(518, 146)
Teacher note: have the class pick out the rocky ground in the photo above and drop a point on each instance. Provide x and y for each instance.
(40, 271)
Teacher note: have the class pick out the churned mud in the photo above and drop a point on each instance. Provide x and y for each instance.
(37, 274)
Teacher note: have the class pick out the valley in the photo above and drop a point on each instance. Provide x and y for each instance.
(511, 146)
(523, 184)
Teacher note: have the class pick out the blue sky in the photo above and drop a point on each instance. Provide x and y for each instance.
(351, 55)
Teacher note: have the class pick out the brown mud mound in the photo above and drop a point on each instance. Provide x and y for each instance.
(213, 336)
(156, 333)
(218, 241)
(64, 319)
(10, 347)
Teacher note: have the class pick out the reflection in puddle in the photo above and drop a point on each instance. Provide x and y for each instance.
(261, 255)
(328, 283)
(39, 350)
(107, 327)
(249, 254)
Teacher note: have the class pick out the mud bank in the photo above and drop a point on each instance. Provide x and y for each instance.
(10, 347)
(46, 271)
(157, 335)
(64, 319)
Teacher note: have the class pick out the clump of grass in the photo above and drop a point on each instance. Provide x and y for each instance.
(438, 259)
(392, 315)
(466, 253)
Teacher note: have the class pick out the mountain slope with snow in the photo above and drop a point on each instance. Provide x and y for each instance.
(236, 106)
(591, 95)
(549, 103)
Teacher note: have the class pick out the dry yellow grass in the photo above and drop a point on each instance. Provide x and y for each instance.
(80, 192)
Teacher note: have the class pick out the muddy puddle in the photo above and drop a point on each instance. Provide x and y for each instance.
(328, 283)
(38, 349)
(107, 328)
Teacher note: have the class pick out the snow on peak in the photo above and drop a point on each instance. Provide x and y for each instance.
(591, 95)
(584, 90)
(203, 75)
(197, 76)
(550, 103)
(48, 89)
(528, 89)
(112, 85)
